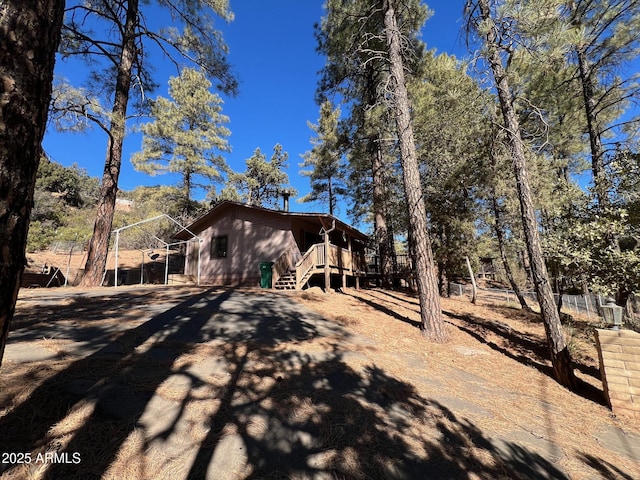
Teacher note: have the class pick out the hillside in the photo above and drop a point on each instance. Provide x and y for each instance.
(169, 383)
(70, 264)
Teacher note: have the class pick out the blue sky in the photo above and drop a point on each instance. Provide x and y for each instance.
(272, 50)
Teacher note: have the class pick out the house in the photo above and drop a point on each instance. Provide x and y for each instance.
(234, 240)
(487, 268)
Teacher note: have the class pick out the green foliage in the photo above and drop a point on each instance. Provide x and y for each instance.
(451, 132)
(72, 185)
(593, 249)
(40, 236)
(263, 182)
(352, 37)
(94, 31)
(185, 135)
(599, 246)
(325, 168)
(64, 199)
(567, 68)
(625, 173)
(54, 219)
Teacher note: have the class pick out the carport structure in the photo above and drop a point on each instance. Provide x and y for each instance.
(166, 245)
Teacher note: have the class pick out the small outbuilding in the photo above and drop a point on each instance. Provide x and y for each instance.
(238, 242)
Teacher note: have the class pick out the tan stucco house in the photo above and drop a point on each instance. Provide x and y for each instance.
(234, 239)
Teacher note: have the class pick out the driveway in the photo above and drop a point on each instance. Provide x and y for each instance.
(141, 357)
(196, 383)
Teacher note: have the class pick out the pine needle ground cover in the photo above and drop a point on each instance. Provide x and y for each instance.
(171, 383)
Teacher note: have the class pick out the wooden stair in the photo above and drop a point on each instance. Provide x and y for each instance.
(306, 277)
(286, 281)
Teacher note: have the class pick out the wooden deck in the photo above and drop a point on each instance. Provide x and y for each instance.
(287, 274)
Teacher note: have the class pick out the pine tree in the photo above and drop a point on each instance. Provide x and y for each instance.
(432, 323)
(113, 35)
(481, 18)
(263, 182)
(27, 56)
(185, 136)
(326, 171)
(450, 125)
(604, 42)
(349, 36)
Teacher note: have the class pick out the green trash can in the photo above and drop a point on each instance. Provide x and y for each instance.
(265, 274)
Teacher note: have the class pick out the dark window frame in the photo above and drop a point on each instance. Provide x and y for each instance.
(220, 246)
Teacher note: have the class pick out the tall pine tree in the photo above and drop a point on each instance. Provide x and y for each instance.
(31, 34)
(113, 36)
(493, 28)
(325, 168)
(186, 135)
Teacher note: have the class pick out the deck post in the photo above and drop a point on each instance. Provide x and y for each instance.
(350, 248)
(327, 252)
(327, 267)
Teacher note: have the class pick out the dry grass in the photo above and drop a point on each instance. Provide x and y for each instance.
(351, 402)
(500, 346)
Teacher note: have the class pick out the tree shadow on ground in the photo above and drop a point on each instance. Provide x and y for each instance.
(583, 329)
(605, 469)
(92, 319)
(411, 298)
(386, 310)
(522, 348)
(321, 418)
(525, 349)
(119, 380)
(229, 384)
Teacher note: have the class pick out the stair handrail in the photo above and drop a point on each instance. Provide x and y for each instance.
(284, 263)
(306, 263)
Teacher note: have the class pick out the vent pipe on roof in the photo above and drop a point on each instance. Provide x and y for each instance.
(285, 200)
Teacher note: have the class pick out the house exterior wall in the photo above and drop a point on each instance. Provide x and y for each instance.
(253, 237)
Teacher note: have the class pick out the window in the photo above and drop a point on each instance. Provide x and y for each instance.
(219, 246)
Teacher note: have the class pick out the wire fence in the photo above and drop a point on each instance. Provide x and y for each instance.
(581, 304)
(67, 246)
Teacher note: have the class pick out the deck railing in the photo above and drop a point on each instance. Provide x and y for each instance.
(341, 258)
(402, 264)
(311, 259)
(284, 263)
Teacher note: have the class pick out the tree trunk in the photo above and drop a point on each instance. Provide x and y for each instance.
(474, 287)
(443, 281)
(593, 129)
(443, 277)
(28, 43)
(595, 140)
(327, 255)
(600, 182)
(99, 243)
(503, 256)
(560, 357)
(379, 193)
(332, 200)
(432, 324)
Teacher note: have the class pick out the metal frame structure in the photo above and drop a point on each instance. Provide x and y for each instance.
(166, 245)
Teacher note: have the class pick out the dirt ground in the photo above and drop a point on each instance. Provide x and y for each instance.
(71, 264)
(362, 396)
(76, 259)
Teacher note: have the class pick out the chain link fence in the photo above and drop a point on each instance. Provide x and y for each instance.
(587, 305)
(67, 246)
